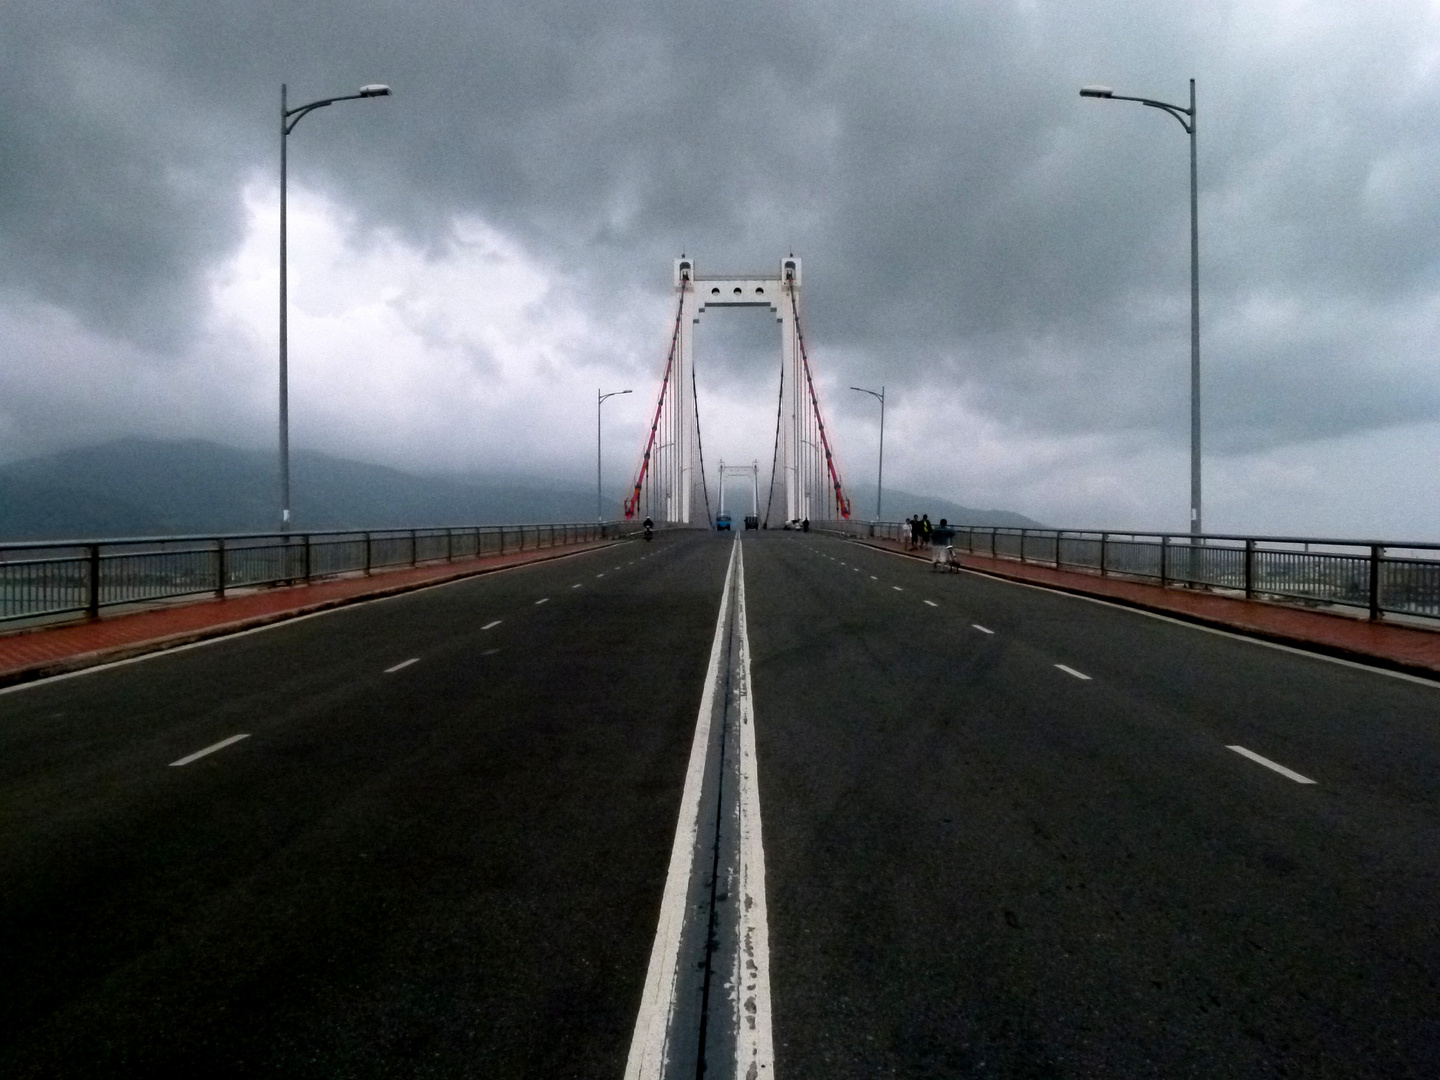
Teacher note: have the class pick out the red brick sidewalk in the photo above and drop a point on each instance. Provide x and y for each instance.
(1407, 648)
(35, 654)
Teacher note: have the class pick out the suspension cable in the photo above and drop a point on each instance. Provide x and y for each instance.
(775, 454)
(841, 502)
(695, 396)
(632, 501)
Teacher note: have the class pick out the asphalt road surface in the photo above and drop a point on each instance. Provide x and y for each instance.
(1007, 833)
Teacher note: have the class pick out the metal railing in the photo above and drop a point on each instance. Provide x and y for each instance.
(1379, 577)
(49, 579)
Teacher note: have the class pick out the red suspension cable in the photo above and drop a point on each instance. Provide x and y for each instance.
(841, 502)
(632, 502)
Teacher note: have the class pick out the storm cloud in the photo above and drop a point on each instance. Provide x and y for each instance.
(471, 257)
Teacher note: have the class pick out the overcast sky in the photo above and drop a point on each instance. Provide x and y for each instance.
(471, 258)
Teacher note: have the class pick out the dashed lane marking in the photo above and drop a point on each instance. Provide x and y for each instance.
(874, 578)
(897, 588)
(577, 585)
(1281, 769)
(491, 625)
(489, 652)
(1071, 671)
(932, 603)
(982, 629)
(402, 665)
(209, 750)
(542, 600)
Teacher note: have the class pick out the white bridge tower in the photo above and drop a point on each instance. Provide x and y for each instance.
(667, 485)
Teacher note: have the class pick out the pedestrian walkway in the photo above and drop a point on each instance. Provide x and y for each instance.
(35, 654)
(1406, 648)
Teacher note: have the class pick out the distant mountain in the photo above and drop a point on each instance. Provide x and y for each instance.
(899, 505)
(144, 487)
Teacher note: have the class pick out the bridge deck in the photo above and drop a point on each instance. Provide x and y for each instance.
(1007, 832)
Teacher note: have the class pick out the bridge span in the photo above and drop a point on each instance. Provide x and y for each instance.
(1006, 832)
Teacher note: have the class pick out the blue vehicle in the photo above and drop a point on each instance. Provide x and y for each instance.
(722, 523)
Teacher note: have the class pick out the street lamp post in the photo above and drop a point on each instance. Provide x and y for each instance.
(880, 478)
(1187, 121)
(600, 400)
(287, 125)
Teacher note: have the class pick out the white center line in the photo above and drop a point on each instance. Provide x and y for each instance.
(897, 588)
(1072, 671)
(403, 664)
(542, 600)
(491, 625)
(209, 750)
(601, 574)
(982, 629)
(1268, 764)
(576, 586)
(874, 578)
(932, 603)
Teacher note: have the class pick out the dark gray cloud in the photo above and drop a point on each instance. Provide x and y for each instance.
(966, 219)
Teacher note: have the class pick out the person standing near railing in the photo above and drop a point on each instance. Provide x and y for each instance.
(941, 548)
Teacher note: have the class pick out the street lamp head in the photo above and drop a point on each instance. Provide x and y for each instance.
(1096, 91)
(375, 90)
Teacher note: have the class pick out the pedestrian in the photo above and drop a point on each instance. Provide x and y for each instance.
(925, 530)
(914, 531)
(941, 551)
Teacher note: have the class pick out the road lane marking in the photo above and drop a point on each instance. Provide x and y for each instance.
(647, 1045)
(491, 625)
(1071, 671)
(402, 665)
(741, 1005)
(601, 574)
(897, 588)
(932, 603)
(577, 586)
(874, 578)
(542, 600)
(1250, 639)
(489, 652)
(982, 629)
(209, 750)
(754, 1045)
(1281, 769)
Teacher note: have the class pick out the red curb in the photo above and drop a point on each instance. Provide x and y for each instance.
(1414, 650)
(39, 653)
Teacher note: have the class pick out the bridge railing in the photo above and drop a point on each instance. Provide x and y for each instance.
(48, 579)
(1378, 577)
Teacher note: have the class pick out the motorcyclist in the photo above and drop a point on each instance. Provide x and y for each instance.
(649, 529)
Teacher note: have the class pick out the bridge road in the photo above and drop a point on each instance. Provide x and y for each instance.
(451, 869)
(980, 863)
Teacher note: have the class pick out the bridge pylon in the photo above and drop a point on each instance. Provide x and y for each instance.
(669, 482)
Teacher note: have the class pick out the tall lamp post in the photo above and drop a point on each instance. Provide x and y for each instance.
(600, 399)
(1187, 121)
(880, 478)
(288, 119)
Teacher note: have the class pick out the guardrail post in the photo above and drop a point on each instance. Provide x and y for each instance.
(1104, 549)
(1249, 569)
(1059, 536)
(449, 544)
(414, 547)
(1022, 545)
(1377, 553)
(307, 558)
(1164, 560)
(369, 555)
(93, 607)
(220, 568)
